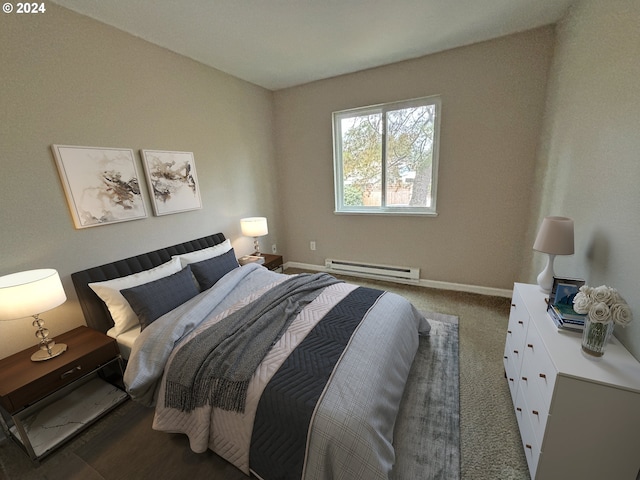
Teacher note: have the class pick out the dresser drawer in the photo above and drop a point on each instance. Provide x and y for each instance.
(517, 329)
(510, 369)
(541, 370)
(68, 371)
(536, 408)
(529, 441)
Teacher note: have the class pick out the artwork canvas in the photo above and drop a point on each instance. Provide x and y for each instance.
(172, 180)
(101, 184)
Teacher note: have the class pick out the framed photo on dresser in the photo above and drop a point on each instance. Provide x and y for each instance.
(564, 290)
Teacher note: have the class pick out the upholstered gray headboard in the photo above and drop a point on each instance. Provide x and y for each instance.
(95, 311)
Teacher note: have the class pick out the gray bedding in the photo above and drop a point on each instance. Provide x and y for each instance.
(351, 435)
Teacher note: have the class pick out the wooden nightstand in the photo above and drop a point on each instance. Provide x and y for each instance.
(273, 262)
(45, 403)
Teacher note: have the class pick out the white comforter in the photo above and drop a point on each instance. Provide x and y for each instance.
(352, 427)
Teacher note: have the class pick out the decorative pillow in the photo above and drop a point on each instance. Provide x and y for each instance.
(208, 272)
(152, 300)
(109, 291)
(204, 254)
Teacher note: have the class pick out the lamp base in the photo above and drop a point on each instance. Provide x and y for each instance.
(256, 247)
(41, 355)
(545, 278)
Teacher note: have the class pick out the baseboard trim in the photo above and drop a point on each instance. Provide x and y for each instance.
(457, 287)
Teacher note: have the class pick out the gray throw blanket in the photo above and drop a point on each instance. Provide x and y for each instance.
(214, 368)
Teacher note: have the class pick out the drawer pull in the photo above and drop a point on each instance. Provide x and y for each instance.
(516, 352)
(508, 331)
(535, 412)
(530, 345)
(505, 357)
(71, 372)
(513, 305)
(511, 379)
(542, 375)
(524, 378)
(518, 409)
(529, 446)
(520, 322)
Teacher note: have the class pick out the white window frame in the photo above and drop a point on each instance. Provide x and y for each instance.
(340, 208)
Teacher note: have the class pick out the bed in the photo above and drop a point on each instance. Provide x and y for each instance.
(284, 376)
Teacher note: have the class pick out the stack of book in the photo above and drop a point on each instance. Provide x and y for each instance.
(560, 307)
(569, 321)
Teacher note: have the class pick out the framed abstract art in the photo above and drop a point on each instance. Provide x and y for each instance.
(172, 181)
(102, 185)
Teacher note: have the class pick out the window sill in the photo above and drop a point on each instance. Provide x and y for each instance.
(389, 213)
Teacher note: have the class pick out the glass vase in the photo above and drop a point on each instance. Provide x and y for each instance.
(596, 336)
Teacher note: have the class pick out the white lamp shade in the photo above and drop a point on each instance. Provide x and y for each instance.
(555, 236)
(29, 293)
(254, 226)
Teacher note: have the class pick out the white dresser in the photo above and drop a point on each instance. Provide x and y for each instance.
(578, 417)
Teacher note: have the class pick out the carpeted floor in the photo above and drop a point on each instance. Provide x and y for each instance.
(490, 443)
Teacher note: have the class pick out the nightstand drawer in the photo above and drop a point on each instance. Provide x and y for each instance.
(60, 377)
(273, 262)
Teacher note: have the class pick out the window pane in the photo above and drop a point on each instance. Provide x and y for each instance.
(409, 156)
(386, 158)
(362, 160)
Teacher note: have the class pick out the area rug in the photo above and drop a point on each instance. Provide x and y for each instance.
(427, 433)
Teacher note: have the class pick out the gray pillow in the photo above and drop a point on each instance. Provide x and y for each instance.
(151, 300)
(208, 272)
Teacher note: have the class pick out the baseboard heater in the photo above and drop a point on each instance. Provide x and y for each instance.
(384, 272)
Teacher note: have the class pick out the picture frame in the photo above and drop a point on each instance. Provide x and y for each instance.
(101, 184)
(568, 287)
(560, 306)
(172, 180)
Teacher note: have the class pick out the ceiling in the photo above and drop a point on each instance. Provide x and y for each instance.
(282, 43)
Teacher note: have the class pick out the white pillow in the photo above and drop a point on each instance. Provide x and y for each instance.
(109, 291)
(204, 254)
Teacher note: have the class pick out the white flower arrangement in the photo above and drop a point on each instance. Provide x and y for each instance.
(602, 305)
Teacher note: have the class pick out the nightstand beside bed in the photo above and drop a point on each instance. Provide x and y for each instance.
(43, 404)
(273, 262)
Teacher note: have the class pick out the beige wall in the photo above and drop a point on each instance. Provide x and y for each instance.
(67, 79)
(493, 96)
(590, 154)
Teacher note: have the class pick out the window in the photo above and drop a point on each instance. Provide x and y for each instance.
(386, 157)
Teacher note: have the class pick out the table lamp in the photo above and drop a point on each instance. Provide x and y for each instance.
(28, 294)
(254, 227)
(555, 237)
